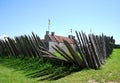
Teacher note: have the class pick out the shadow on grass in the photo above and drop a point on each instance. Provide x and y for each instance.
(38, 68)
(52, 73)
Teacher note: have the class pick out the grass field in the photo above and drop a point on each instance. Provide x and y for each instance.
(18, 70)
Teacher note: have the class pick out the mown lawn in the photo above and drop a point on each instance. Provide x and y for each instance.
(9, 75)
(15, 70)
(109, 72)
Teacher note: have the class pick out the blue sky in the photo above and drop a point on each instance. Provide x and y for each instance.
(19, 17)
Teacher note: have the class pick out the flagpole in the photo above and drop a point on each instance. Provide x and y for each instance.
(49, 25)
(71, 31)
(90, 30)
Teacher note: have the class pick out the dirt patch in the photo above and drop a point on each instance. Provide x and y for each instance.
(92, 81)
(103, 81)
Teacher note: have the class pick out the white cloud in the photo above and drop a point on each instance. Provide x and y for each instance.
(3, 36)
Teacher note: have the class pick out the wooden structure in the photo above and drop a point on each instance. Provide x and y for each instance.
(92, 50)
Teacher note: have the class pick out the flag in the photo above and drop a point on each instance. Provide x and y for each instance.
(49, 23)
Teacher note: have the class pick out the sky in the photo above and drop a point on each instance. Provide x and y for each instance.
(19, 17)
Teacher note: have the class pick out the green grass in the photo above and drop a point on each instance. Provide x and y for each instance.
(18, 70)
(28, 70)
(8, 75)
(109, 72)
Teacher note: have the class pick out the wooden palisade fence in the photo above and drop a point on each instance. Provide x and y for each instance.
(92, 50)
(23, 46)
(26, 46)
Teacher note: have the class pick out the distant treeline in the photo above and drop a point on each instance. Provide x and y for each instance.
(117, 46)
